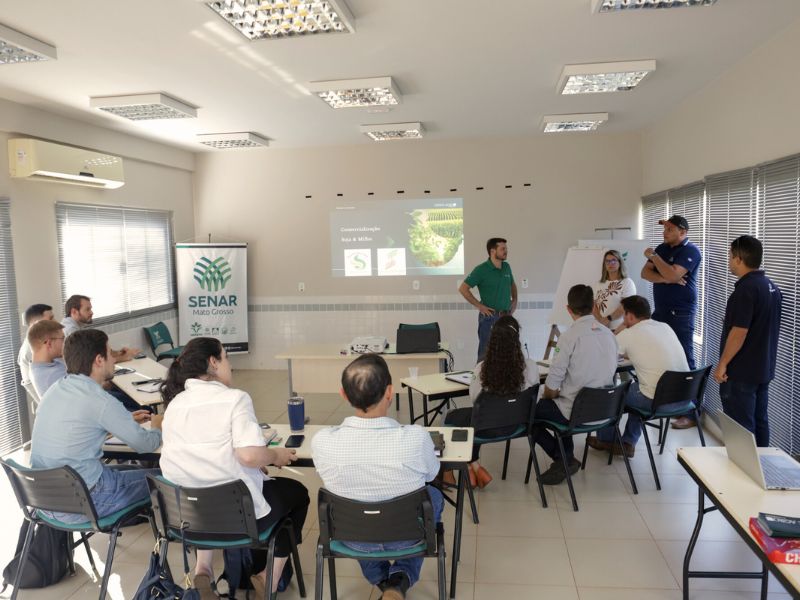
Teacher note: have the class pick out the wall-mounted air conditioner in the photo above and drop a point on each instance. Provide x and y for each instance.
(37, 160)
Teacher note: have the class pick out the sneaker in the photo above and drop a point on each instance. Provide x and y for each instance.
(396, 586)
(684, 423)
(556, 473)
(594, 442)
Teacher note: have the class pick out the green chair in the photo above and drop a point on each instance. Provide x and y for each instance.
(593, 409)
(217, 517)
(158, 335)
(41, 491)
(408, 517)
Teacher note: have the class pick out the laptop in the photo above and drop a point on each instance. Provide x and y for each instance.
(770, 471)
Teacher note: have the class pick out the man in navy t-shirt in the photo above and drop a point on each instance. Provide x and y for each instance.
(749, 344)
(672, 269)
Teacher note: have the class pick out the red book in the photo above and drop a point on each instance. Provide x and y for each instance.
(778, 550)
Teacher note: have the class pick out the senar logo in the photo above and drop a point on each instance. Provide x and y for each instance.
(212, 275)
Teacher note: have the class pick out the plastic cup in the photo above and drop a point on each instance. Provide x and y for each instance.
(297, 413)
(413, 372)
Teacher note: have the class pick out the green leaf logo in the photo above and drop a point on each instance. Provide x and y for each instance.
(196, 328)
(212, 275)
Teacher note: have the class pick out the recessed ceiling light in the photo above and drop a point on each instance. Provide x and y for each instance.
(230, 141)
(16, 47)
(604, 77)
(269, 19)
(614, 5)
(141, 107)
(393, 131)
(355, 93)
(579, 122)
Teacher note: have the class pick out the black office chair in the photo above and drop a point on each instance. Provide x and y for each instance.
(593, 409)
(511, 412)
(217, 517)
(686, 387)
(63, 490)
(408, 517)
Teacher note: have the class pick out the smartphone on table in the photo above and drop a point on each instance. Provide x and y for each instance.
(294, 441)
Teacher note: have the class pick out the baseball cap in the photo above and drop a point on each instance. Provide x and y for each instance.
(676, 220)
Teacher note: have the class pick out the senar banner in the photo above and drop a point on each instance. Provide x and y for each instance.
(212, 293)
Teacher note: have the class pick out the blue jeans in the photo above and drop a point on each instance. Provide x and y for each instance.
(115, 490)
(746, 403)
(548, 410)
(633, 428)
(682, 323)
(376, 571)
(485, 325)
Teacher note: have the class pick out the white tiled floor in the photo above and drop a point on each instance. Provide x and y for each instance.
(618, 547)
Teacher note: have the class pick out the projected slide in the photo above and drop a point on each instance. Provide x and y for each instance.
(397, 238)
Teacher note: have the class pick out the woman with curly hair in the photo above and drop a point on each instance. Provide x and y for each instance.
(614, 285)
(504, 370)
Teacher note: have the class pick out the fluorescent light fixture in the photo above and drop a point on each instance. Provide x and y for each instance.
(142, 107)
(604, 77)
(16, 47)
(231, 141)
(269, 19)
(578, 122)
(615, 5)
(393, 131)
(355, 93)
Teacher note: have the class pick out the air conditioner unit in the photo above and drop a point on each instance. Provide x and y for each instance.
(37, 160)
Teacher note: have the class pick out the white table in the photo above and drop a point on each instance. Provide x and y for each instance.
(737, 497)
(317, 368)
(144, 368)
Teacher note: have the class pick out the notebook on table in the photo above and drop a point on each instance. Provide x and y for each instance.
(464, 377)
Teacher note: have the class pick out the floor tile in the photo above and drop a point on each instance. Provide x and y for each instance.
(523, 519)
(517, 560)
(603, 520)
(676, 522)
(496, 591)
(605, 563)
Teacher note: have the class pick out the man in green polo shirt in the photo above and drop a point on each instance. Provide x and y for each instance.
(496, 287)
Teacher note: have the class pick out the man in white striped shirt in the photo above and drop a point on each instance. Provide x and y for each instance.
(370, 457)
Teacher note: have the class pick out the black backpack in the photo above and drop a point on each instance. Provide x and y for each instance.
(241, 563)
(48, 558)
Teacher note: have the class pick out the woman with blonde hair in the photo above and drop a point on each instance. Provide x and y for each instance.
(614, 285)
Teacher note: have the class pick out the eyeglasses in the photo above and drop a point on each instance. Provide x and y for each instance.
(611, 261)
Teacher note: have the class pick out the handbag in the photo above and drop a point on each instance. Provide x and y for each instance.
(157, 583)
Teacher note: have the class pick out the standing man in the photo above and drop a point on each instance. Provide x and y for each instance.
(33, 314)
(749, 344)
(496, 287)
(672, 269)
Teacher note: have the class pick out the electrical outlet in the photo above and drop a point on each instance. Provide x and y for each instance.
(415, 284)
(524, 284)
(301, 287)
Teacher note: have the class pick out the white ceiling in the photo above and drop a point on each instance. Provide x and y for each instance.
(466, 68)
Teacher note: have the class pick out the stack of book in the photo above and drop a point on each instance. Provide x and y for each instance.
(778, 536)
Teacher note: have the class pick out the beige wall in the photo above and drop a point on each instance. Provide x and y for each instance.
(156, 176)
(747, 116)
(578, 183)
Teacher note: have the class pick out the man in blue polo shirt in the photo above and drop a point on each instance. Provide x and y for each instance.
(672, 269)
(749, 344)
(496, 287)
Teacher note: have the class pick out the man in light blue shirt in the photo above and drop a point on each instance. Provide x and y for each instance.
(46, 340)
(76, 415)
(586, 356)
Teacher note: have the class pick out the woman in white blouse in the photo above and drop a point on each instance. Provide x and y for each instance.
(211, 436)
(614, 285)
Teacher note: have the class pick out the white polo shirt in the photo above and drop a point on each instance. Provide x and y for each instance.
(202, 427)
(653, 348)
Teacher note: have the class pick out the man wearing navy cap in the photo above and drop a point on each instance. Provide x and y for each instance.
(749, 345)
(672, 269)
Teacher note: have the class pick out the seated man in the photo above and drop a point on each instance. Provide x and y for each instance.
(586, 356)
(371, 457)
(76, 415)
(653, 348)
(33, 314)
(46, 339)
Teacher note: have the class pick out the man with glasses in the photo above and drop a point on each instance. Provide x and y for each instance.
(47, 342)
(672, 269)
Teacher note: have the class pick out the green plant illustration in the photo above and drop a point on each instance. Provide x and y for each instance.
(212, 275)
(435, 234)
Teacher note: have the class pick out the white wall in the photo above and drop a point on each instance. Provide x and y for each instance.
(578, 183)
(745, 117)
(156, 176)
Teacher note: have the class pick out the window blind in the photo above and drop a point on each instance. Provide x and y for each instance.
(120, 257)
(13, 409)
(778, 229)
(654, 208)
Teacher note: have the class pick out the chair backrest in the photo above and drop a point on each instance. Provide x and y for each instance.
(598, 404)
(158, 335)
(221, 509)
(57, 490)
(494, 411)
(408, 517)
(681, 386)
